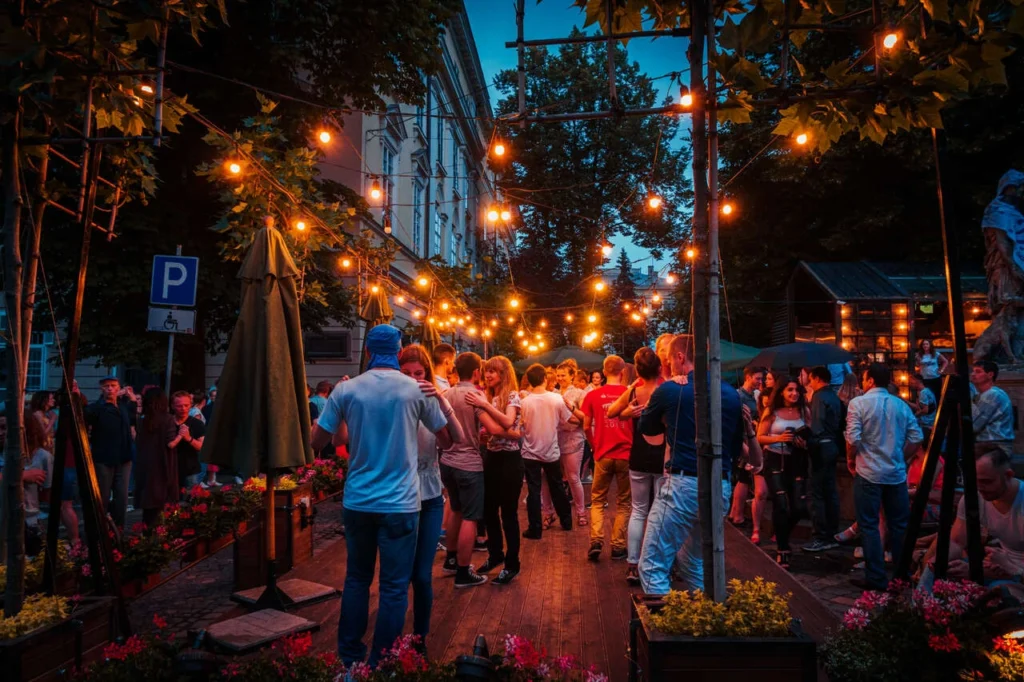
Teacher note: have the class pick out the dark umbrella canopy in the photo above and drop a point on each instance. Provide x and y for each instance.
(431, 338)
(262, 416)
(376, 310)
(584, 358)
(793, 356)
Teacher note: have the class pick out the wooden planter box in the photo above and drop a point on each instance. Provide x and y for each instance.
(293, 529)
(196, 551)
(656, 656)
(48, 654)
(220, 543)
(135, 588)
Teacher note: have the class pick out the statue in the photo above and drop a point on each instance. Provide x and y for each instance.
(1003, 227)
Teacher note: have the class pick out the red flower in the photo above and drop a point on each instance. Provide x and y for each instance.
(159, 622)
(946, 642)
(139, 528)
(120, 652)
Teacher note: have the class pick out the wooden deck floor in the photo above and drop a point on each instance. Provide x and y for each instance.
(561, 601)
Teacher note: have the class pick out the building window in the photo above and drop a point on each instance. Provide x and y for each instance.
(453, 247)
(456, 180)
(436, 237)
(333, 345)
(455, 151)
(417, 219)
(388, 171)
(38, 352)
(439, 143)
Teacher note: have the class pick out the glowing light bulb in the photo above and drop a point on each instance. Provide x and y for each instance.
(486, 334)
(636, 318)
(691, 253)
(645, 310)
(400, 300)
(543, 323)
(445, 306)
(494, 323)
(346, 263)
(148, 89)
(471, 331)
(802, 138)
(423, 281)
(511, 319)
(726, 209)
(525, 343)
(626, 306)
(903, 326)
(685, 97)
(374, 289)
(492, 215)
(375, 191)
(499, 149)
(975, 310)
(506, 215)
(300, 225)
(533, 349)
(520, 333)
(542, 344)
(606, 250)
(890, 40)
(599, 286)
(656, 298)
(592, 318)
(654, 202)
(324, 136)
(431, 320)
(670, 278)
(417, 314)
(235, 168)
(569, 318)
(513, 303)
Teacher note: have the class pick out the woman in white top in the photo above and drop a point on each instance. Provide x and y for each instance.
(414, 361)
(786, 414)
(931, 364)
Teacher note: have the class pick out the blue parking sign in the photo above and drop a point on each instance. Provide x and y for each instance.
(174, 281)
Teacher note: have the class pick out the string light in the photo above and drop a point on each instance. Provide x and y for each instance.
(513, 303)
(486, 334)
(146, 88)
(592, 319)
(670, 278)
(691, 253)
(511, 319)
(525, 343)
(645, 310)
(494, 323)
(802, 139)
(324, 136)
(569, 318)
(499, 149)
(625, 306)
(417, 314)
(543, 323)
(656, 298)
(492, 215)
(423, 281)
(606, 250)
(520, 333)
(599, 286)
(400, 300)
(445, 306)
(727, 209)
(506, 215)
(636, 318)
(431, 320)
(234, 167)
(975, 310)
(542, 344)
(471, 331)
(685, 97)
(890, 40)
(346, 263)
(533, 349)
(654, 202)
(300, 225)
(374, 289)
(375, 191)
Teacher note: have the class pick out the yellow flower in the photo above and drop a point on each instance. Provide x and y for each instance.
(37, 611)
(752, 609)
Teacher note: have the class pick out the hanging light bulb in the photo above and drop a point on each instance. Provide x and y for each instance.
(654, 202)
(400, 300)
(656, 298)
(423, 281)
(300, 225)
(533, 349)
(802, 138)
(592, 319)
(599, 286)
(543, 323)
(346, 263)
(324, 136)
(513, 302)
(691, 253)
(417, 314)
(525, 343)
(569, 317)
(520, 333)
(626, 306)
(506, 214)
(727, 209)
(445, 306)
(636, 318)
(511, 319)
(375, 191)
(606, 250)
(645, 310)
(146, 88)
(431, 320)
(234, 167)
(486, 333)
(542, 344)
(492, 215)
(685, 98)
(471, 331)
(670, 278)
(494, 323)
(499, 149)
(890, 40)
(374, 289)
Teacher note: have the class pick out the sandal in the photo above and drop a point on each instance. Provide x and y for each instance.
(549, 521)
(581, 520)
(782, 559)
(756, 537)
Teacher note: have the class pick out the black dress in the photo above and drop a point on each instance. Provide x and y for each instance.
(156, 465)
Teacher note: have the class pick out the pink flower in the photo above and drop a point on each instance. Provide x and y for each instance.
(360, 672)
(871, 600)
(86, 570)
(946, 642)
(855, 619)
(139, 528)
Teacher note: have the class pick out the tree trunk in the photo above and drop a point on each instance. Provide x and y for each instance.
(14, 494)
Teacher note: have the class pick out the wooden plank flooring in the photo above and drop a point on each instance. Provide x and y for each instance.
(561, 601)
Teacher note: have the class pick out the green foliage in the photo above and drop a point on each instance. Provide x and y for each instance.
(752, 609)
(948, 50)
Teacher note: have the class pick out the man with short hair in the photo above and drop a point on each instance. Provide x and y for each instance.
(992, 411)
(543, 413)
(926, 404)
(611, 440)
(826, 435)
(462, 472)
(673, 525)
(443, 358)
(881, 431)
(320, 396)
(192, 432)
(110, 433)
(378, 413)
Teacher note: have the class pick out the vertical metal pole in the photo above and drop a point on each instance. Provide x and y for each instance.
(170, 348)
(521, 68)
(158, 102)
(954, 294)
(612, 92)
(717, 549)
(698, 135)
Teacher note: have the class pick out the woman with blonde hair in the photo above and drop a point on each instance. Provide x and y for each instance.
(503, 466)
(414, 362)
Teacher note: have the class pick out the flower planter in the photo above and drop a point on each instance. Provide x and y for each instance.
(48, 653)
(321, 495)
(293, 529)
(196, 551)
(241, 528)
(657, 656)
(220, 543)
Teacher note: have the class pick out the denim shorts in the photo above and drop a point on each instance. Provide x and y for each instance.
(465, 492)
(67, 491)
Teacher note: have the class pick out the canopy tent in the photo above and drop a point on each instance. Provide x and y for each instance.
(736, 356)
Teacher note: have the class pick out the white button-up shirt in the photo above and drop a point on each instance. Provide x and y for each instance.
(993, 416)
(879, 425)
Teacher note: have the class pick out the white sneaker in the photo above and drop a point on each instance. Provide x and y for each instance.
(215, 484)
(239, 481)
(204, 485)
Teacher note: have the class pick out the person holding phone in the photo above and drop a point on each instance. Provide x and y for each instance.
(780, 433)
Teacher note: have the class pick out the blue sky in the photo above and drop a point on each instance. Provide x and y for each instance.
(493, 22)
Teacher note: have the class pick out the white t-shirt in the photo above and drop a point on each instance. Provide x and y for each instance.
(41, 459)
(543, 413)
(1008, 528)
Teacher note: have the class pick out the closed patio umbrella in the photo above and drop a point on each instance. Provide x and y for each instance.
(262, 418)
(376, 310)
(430, 337)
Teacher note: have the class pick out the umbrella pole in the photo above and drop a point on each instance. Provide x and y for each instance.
(272, 597)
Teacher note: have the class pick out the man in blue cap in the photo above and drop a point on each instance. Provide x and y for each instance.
(378, 413)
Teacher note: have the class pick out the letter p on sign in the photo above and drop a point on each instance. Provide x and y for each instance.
(174, 281)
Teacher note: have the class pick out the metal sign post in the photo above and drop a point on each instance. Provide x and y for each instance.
(174, 283)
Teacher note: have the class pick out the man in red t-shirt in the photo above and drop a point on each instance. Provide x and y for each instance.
(611, 440)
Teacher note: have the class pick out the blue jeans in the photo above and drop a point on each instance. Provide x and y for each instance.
(869, 499)
(114, 478)
(365, 533)
(673, 526)
(431, 515)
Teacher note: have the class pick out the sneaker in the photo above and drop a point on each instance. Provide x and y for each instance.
(441, 547)
(480, 546)
(632, 575)
(472, 579)
(532, 534)
(858, 552)
(238, 480)
(506, 576)
(450, 566)
(816, 545)
(204, 485)
(595, 551)
(215, 484)
(488, 566)
(619, 554)
(588, 505)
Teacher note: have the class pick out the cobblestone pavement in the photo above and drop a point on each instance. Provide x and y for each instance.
(201, 595)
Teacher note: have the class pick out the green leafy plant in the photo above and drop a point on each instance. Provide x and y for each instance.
(148, 551)
(752, 609)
